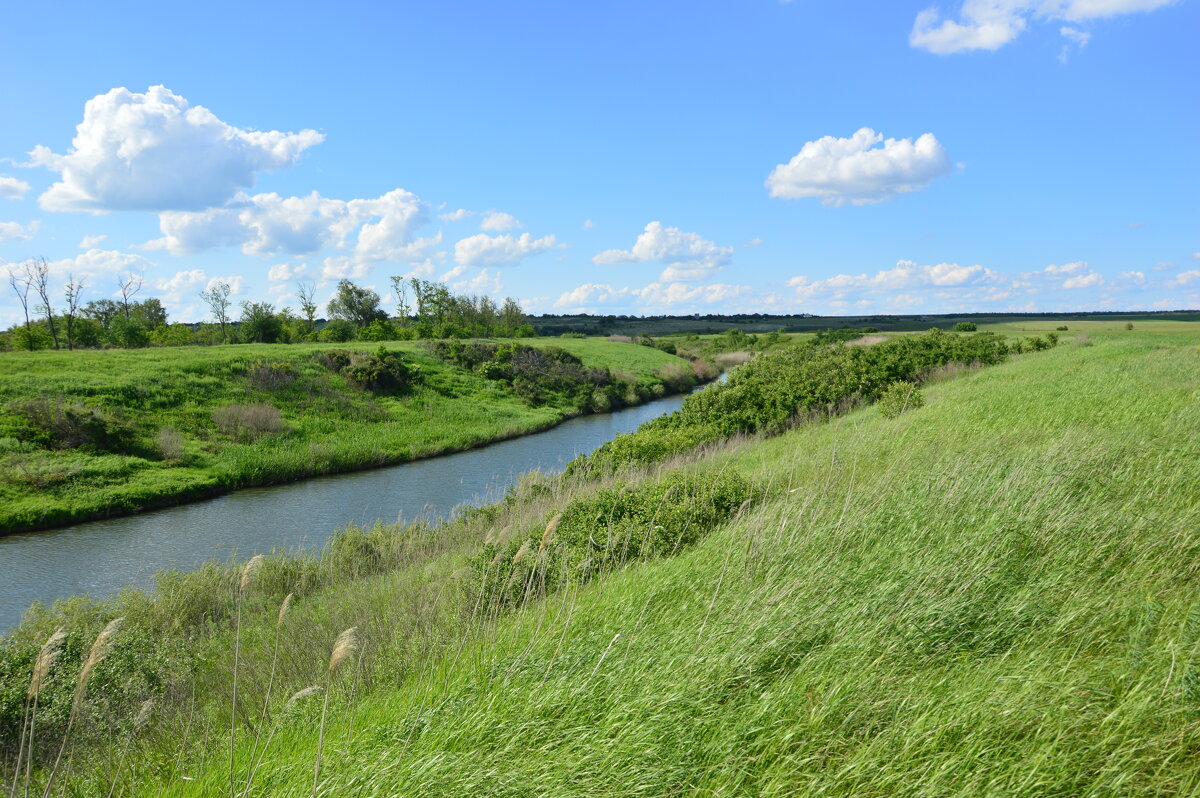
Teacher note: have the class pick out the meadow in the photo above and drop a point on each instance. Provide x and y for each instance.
(990, 591)
(95, 433)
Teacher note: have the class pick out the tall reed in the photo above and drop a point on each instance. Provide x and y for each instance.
(248, 571)
(345, 645)
(284, 606)
(101, 647)
(41, 668)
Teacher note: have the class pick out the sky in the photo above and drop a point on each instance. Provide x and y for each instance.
(649, 157)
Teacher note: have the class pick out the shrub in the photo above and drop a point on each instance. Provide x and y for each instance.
(898, 398)
(170, 444)
(965, 326)
(572, 335)
(1063, 328)
(1128, 325)
(128, 333)
(247, 422)
(337, 331)
(601, 532)
(271, 376)
(53, 423)
(380, 330)
(665, 346)
(382, 371)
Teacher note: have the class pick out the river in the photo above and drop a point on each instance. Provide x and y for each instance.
(99, 558)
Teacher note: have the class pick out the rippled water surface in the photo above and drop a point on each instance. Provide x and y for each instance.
(101, 557)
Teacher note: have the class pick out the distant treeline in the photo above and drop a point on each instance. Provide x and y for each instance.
(426, 310)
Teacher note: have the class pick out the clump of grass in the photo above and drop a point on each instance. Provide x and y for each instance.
(248, 422)
(899, 398)
(171, 444)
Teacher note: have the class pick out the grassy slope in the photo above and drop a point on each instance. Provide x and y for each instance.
(992, 595)
(333, 426)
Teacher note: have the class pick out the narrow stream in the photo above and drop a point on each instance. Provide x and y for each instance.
(102, 557)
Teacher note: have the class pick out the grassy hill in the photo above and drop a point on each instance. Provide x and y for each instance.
(93, 433)
(992, 594)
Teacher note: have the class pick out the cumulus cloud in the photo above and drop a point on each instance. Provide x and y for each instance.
(486, 250)
(590, 293)
(686, 256)
(1073, 36)
(1186, 278)
(156, 152)
(455, 216)
(1087, 280)
(991, 24)
(91, 242)
(855, 171)
(373, 230)
(14, 231)
(588, 224)
(234, 281)
(282, 272)
(906, 275)
(499, 222)
(184, 283)
(101, 264)
(664, 295)
(11, 188)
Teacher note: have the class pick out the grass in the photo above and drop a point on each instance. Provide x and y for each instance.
(992, 594)
(211, 419)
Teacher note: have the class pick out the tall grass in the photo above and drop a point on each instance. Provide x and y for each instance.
(991, 594)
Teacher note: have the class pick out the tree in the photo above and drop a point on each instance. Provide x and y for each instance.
(39, 274)
(217, 299)
(73, 292)
(359, 306)
(259, 324)
(102, 311)
(308, 303)
(128, 285)
(22, 283)
(149, 312)
(403, 308)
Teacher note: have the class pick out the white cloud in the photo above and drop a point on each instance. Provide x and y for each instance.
(485, 250)
(155, 152)
(754, 242)
(499, 222)
(282, 272)
(14, 231)
(486, 282)
(1088, 280)
(1196, 256)
(91, 242)
(578, 298)
(11, 188)
(660, 294)
(373, 230)
(236, 283)
(183, 284)
(455, 216)
(1067, 268)
(101, 264)
(588, 224)
(687, 256)
(1073, 36)
(854, 170)
(1186, 278)
(991, 24)
(906, 275)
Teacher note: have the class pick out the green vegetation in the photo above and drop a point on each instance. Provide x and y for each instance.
(94, 433)
(992, 594)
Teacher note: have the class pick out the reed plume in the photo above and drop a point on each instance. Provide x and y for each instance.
(142, 718)
(299, 695)
(101, 647)
(284, 606)
(248, 571)
(41, 668)
(345, 645)
(548, 535)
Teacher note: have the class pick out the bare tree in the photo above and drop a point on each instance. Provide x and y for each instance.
(308, 303)
(129, 285)
(217, 299)
(73, 292)
(22, 283)
(39, 272)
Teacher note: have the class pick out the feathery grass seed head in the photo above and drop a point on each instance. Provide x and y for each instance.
(346, 644)
(283, 609)
(249, 570)
(45, 660)
(551, 528)
(300, 695)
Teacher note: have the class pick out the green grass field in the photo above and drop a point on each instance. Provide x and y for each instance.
(992, 595)
(328, 424)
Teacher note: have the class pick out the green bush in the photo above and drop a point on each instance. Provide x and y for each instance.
(382, 372)
(52, 423)
(602, 532)
(337, 331)
(898, 398)
(665, 346)
(965, 326)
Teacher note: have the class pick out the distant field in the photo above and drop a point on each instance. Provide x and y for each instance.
(169, 398)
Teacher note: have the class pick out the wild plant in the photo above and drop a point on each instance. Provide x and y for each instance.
(248, 571)
(345, 645)
(41, 669)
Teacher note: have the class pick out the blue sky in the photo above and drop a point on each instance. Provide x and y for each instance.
(616, 157)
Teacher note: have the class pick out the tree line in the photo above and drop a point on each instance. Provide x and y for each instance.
(426, 310)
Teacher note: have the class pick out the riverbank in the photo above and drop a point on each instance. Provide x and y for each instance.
(98, 434)
(946, 601)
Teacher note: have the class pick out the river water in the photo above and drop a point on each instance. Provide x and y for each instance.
(100, 558)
